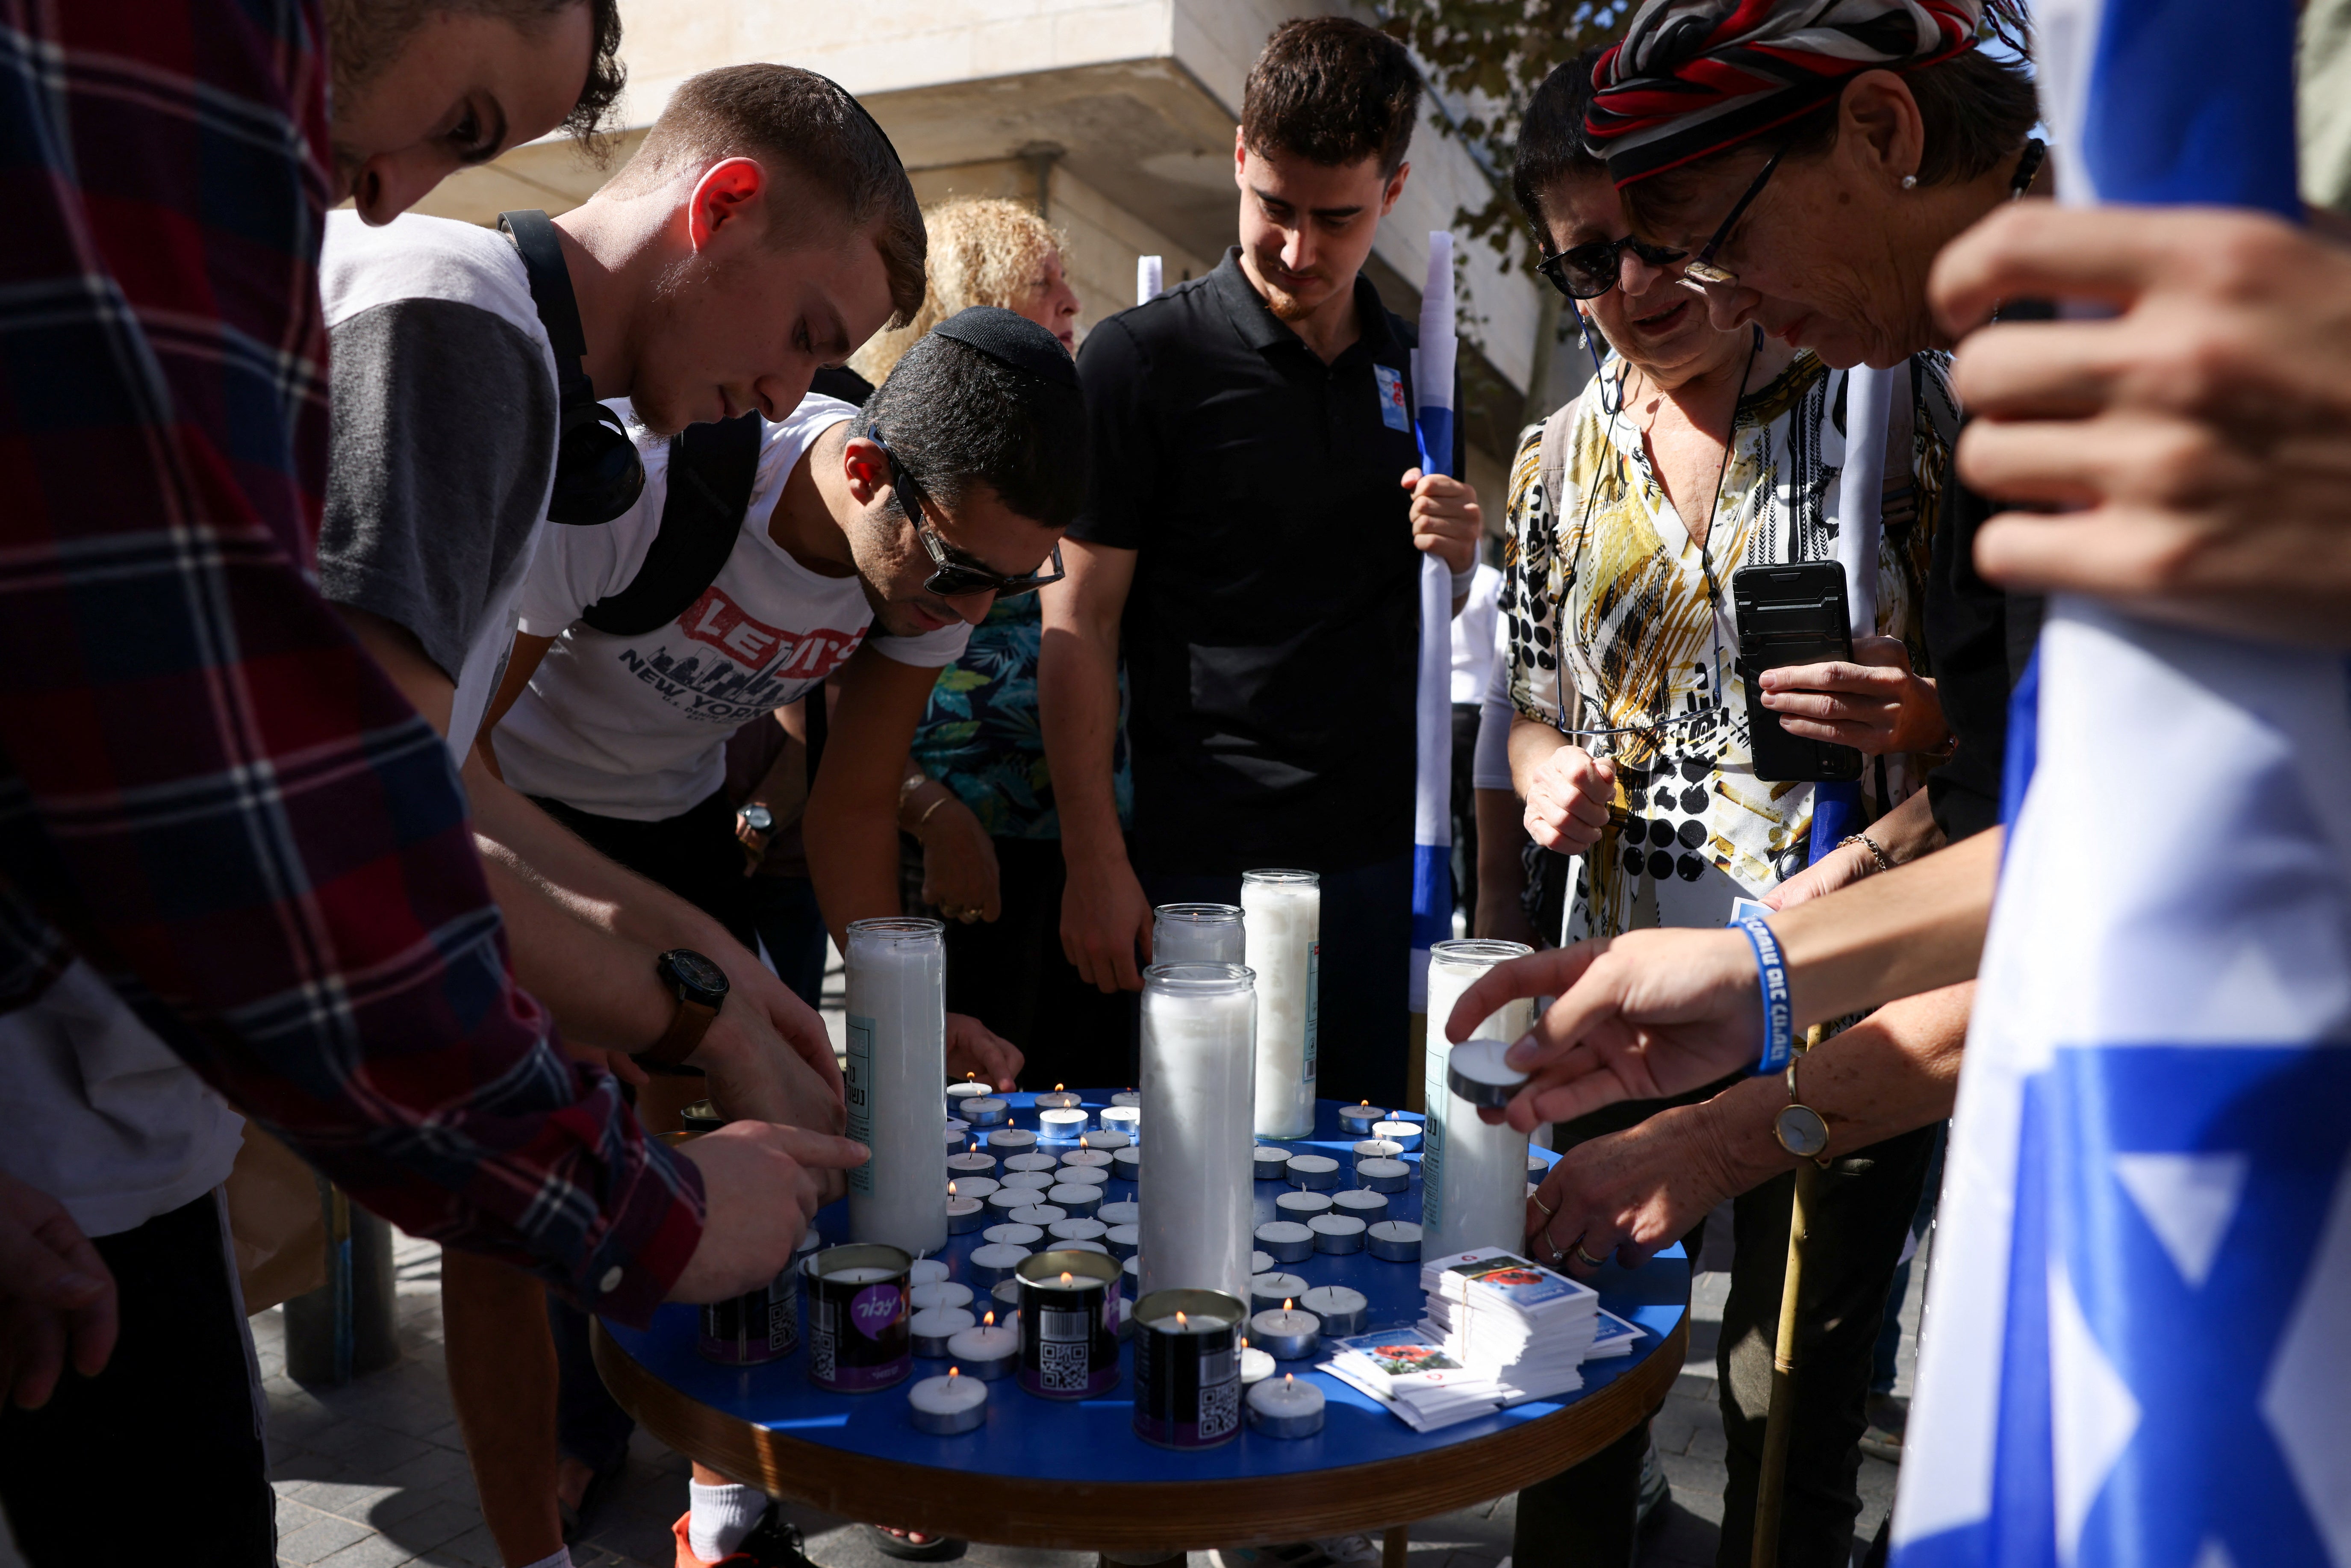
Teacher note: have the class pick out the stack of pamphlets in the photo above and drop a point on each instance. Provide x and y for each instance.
(1499, 1330)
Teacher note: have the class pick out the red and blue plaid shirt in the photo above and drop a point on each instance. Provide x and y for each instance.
(206, 789)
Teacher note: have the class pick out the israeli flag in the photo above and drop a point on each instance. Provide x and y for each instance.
(2138, 1339)
(1432, 798)
(1861, 523)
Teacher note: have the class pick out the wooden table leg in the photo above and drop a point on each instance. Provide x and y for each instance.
(1396, 1546)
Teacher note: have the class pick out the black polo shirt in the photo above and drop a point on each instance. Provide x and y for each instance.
(1270, 637)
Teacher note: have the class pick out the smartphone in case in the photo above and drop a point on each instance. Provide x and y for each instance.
(1792, 614)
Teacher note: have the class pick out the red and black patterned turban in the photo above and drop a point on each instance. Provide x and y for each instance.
(1693, 77)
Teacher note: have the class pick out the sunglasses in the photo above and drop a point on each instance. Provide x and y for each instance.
(1589, 271)
(957, 575)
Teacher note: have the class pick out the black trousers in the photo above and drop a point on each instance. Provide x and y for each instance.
(1011, 975)
(694, 855)
(177, 1391)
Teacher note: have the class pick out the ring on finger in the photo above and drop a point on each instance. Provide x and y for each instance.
(1586, 1259)
(1557, 1251)
(1549, 1212)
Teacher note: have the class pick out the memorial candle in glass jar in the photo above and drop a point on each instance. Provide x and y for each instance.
(897, 1058)
(1199, 1030)
(1283, 916)
(1197, 933)
(1453, 968)
(1481, 1199)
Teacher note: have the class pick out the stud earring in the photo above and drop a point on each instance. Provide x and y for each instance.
(1910, 181)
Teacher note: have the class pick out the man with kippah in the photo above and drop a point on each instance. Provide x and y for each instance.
(1251, 543)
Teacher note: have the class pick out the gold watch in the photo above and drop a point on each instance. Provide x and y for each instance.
(1801, 1129)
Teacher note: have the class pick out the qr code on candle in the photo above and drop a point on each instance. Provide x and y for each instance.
(821, 1356)
(1220, 1409)
(1064, 1366)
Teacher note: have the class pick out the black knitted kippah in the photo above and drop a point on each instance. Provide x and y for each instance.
(1012, 339)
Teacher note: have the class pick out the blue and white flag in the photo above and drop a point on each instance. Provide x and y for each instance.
(2138, 1340)
(1861, 523)
(1432, 796)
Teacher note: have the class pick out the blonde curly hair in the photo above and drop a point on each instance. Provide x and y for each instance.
(983, 251)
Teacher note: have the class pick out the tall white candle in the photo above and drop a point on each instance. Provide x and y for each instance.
(897, 1059)
(1198, 1039)
(1482, 1199)
(1283, 911)
(1453, 968)
(1197, 933)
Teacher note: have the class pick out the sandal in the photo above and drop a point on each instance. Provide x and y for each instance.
(904, 1546)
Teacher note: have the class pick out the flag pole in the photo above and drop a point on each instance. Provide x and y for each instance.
(1432, 836)
(1771, 1481)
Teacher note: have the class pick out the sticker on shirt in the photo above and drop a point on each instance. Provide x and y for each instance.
(744, 668)
(1396, 413)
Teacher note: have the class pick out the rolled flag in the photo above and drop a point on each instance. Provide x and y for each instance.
(1432, 798)
(2143, 1357)
(1861, 488)
(1147, 279)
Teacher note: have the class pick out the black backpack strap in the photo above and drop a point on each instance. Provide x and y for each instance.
(712, 468)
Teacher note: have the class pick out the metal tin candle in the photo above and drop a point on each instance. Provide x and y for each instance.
(968, 1090)
(1268, 1162)
(1126, 1119)
(1069, 1323)
(1363, 1205)
(752, 1329)
(985, 1110)
(989, 1352)
(1343, 1312)
(1286, 1334)
(858, 1338)
(1313, 1172)
(1283, 921)
(1285, 1240)
(1060, 1099)
(1285, 1409)
(1269, 1291)
(1197, 933)
(1405, 1135)
(897, 1004)
(945, 1407)
(1302, 1206)
(1187, 1385)
(1339, 1233)
(1394, 1241)
(1357, 1120)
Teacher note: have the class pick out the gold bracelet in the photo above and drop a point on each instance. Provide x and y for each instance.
(933, 806)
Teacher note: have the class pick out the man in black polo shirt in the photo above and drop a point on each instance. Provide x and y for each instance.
(1250, 541)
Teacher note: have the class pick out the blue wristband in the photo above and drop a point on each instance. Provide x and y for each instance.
(1771, 978)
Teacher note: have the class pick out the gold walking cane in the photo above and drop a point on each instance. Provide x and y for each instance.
(1803, 1133)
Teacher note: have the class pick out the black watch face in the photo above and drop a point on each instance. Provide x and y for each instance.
(700, 979)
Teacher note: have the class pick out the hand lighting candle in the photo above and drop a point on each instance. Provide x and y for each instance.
(1197, 933)
(897, 1056)
(944, 1407)
(1285, 1409)
(1286, 1335)
(1283, 922)
(989, 1352)
(1198, 1025)
(1453, 968)
(1188, 1388)
(1477, 1197)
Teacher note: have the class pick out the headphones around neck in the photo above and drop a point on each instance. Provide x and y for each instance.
(598, 473)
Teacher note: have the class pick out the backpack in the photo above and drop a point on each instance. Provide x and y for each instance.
(712, 470)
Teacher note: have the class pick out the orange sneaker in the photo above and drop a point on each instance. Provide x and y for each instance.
(772, 1543)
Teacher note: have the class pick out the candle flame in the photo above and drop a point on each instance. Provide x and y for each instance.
(950, 1190)
(1287, 1379)
(1180, 1321)
(955, 1371)
(1065, 1277)
(1245, 1342)
(990, 1321)
(1363, 1102)
(1057, 1089)
(1081, 1140)
(1287, 1303)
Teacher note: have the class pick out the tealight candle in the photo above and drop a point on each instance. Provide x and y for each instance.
(1058, 1099)
(1355, 1121)
(1089, 1157)
(1337, 1233)
(1125, 1317)
(1197, 933)
(1267, 1291)
(934, 1326)
(1538, 1167)
(1126, 1212)
(985, 1110)
(809, 1244)
(1197, 1026)
(989, 1352)
(1302, 1206)
(1009, 1234)
(1061, 1126)
(965, 1215)
(1032, 1162)
(1314, 1171)
(958, 1135)
(1383, 1175)
(1094, 1176)
(1269, 1162)
(1285, 1239)
(1343, 1310)
(927, 1272)
(962, 1094)
(1377, 1149)
(944, 1407)
(995, 1261)
(1256, 1365)
(1013, 1140)
(1080, 1200)
(941, 1294)
(1035, 1181)
(1077, 1229)
(1127, 1164)
(1282, 920)
(1005, 1199)
(973, 1186)
(1394, 1241)
(1037, 1214)
(1405, 1135)
(1095, 1247)
(895, 976)
(1127, 1099)
(1133, 1270)
(1285, 1333)
(971, 1163)
(1362, 1203)
(1260, 1263)
(1124, 1120)
(1101, 1141)
(1285, 1409)
(1123, 1241)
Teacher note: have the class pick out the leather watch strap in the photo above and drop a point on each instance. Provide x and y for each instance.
(687, 1025)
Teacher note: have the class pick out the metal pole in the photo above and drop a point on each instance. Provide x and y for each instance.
(1770, 1482)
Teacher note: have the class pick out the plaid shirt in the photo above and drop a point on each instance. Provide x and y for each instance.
(206, 789)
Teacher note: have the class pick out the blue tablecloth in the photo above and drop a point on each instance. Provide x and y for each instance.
(1093, 1440)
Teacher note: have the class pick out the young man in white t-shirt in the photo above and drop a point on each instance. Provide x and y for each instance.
(873, 541)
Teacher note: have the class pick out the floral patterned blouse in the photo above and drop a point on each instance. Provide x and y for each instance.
(1606, 574)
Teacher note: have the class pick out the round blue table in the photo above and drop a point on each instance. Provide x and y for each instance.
(1073, 1475)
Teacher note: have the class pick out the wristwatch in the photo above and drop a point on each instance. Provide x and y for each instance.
(700, 987)
(1799, 1127)
(756, 818)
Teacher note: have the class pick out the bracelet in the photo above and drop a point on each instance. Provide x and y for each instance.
(1772, 977)
(1869, 843)
(933, 806)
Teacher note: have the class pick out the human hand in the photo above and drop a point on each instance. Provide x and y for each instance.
(753, 842)
(760, 1184)
(1446, 518)
(1567, 800)
(1632, 1193)
(1841, 867)
(793, 1022)
(1643, 1016)
(1874, 704)
(959, 874)
(754, 1074)
(2193, 443)
(974, 1051)
(1105, 919)
(57, 1302)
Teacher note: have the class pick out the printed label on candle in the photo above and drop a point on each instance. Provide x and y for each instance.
(874, 1310)
(857, 1093)
(1313, 1007)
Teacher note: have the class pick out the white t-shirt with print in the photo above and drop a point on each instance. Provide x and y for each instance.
(636, 727)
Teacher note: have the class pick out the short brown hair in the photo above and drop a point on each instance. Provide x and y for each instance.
(1333, 93)
(782, 115)
(366, 36)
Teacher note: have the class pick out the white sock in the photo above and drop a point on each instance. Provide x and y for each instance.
(560, 1558)
(719, 1518)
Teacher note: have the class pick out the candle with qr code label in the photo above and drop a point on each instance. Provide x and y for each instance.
(895, 999)
(1188, 1385)
(1282, 915)
(750, 1330)
(858, 1339)
(1069, 1323)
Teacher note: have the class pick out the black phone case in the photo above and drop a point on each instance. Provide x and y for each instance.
(1792, 614)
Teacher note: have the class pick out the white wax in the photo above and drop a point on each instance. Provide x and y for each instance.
(1037, 1214)
(1377, 1149)
(1082, 1175)
(1194, 1196)
(1284, 922)
(1005, 1199)
(1058, 1099)
(1275, 1289)
(1197, 933)
(1011, 1235)
(985, 1343)
(974, 1188)
(858, 1276)
(1126, 1119)
(1128, 1213)
(1287, 1407)
(1061, 1126)
(1335, 1302)
(1092, 1158)
(971, 1163)
(940, 1293)
(1074, 1197)
(940, 1323)
(963, 1209)
(1128, 1099)
(1079, 1229)
(1036, 1181)
(947, 1397)
(1452, 1126)
(968, 1090)
(897, 1058)
(1186, 1323)
(1031, 1162)
(1302, 1205)
(1255, 1366)
(1013, 1140)
(926, 1272)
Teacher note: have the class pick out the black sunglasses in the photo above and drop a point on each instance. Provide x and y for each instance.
(1589, 271)
(954, 579)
